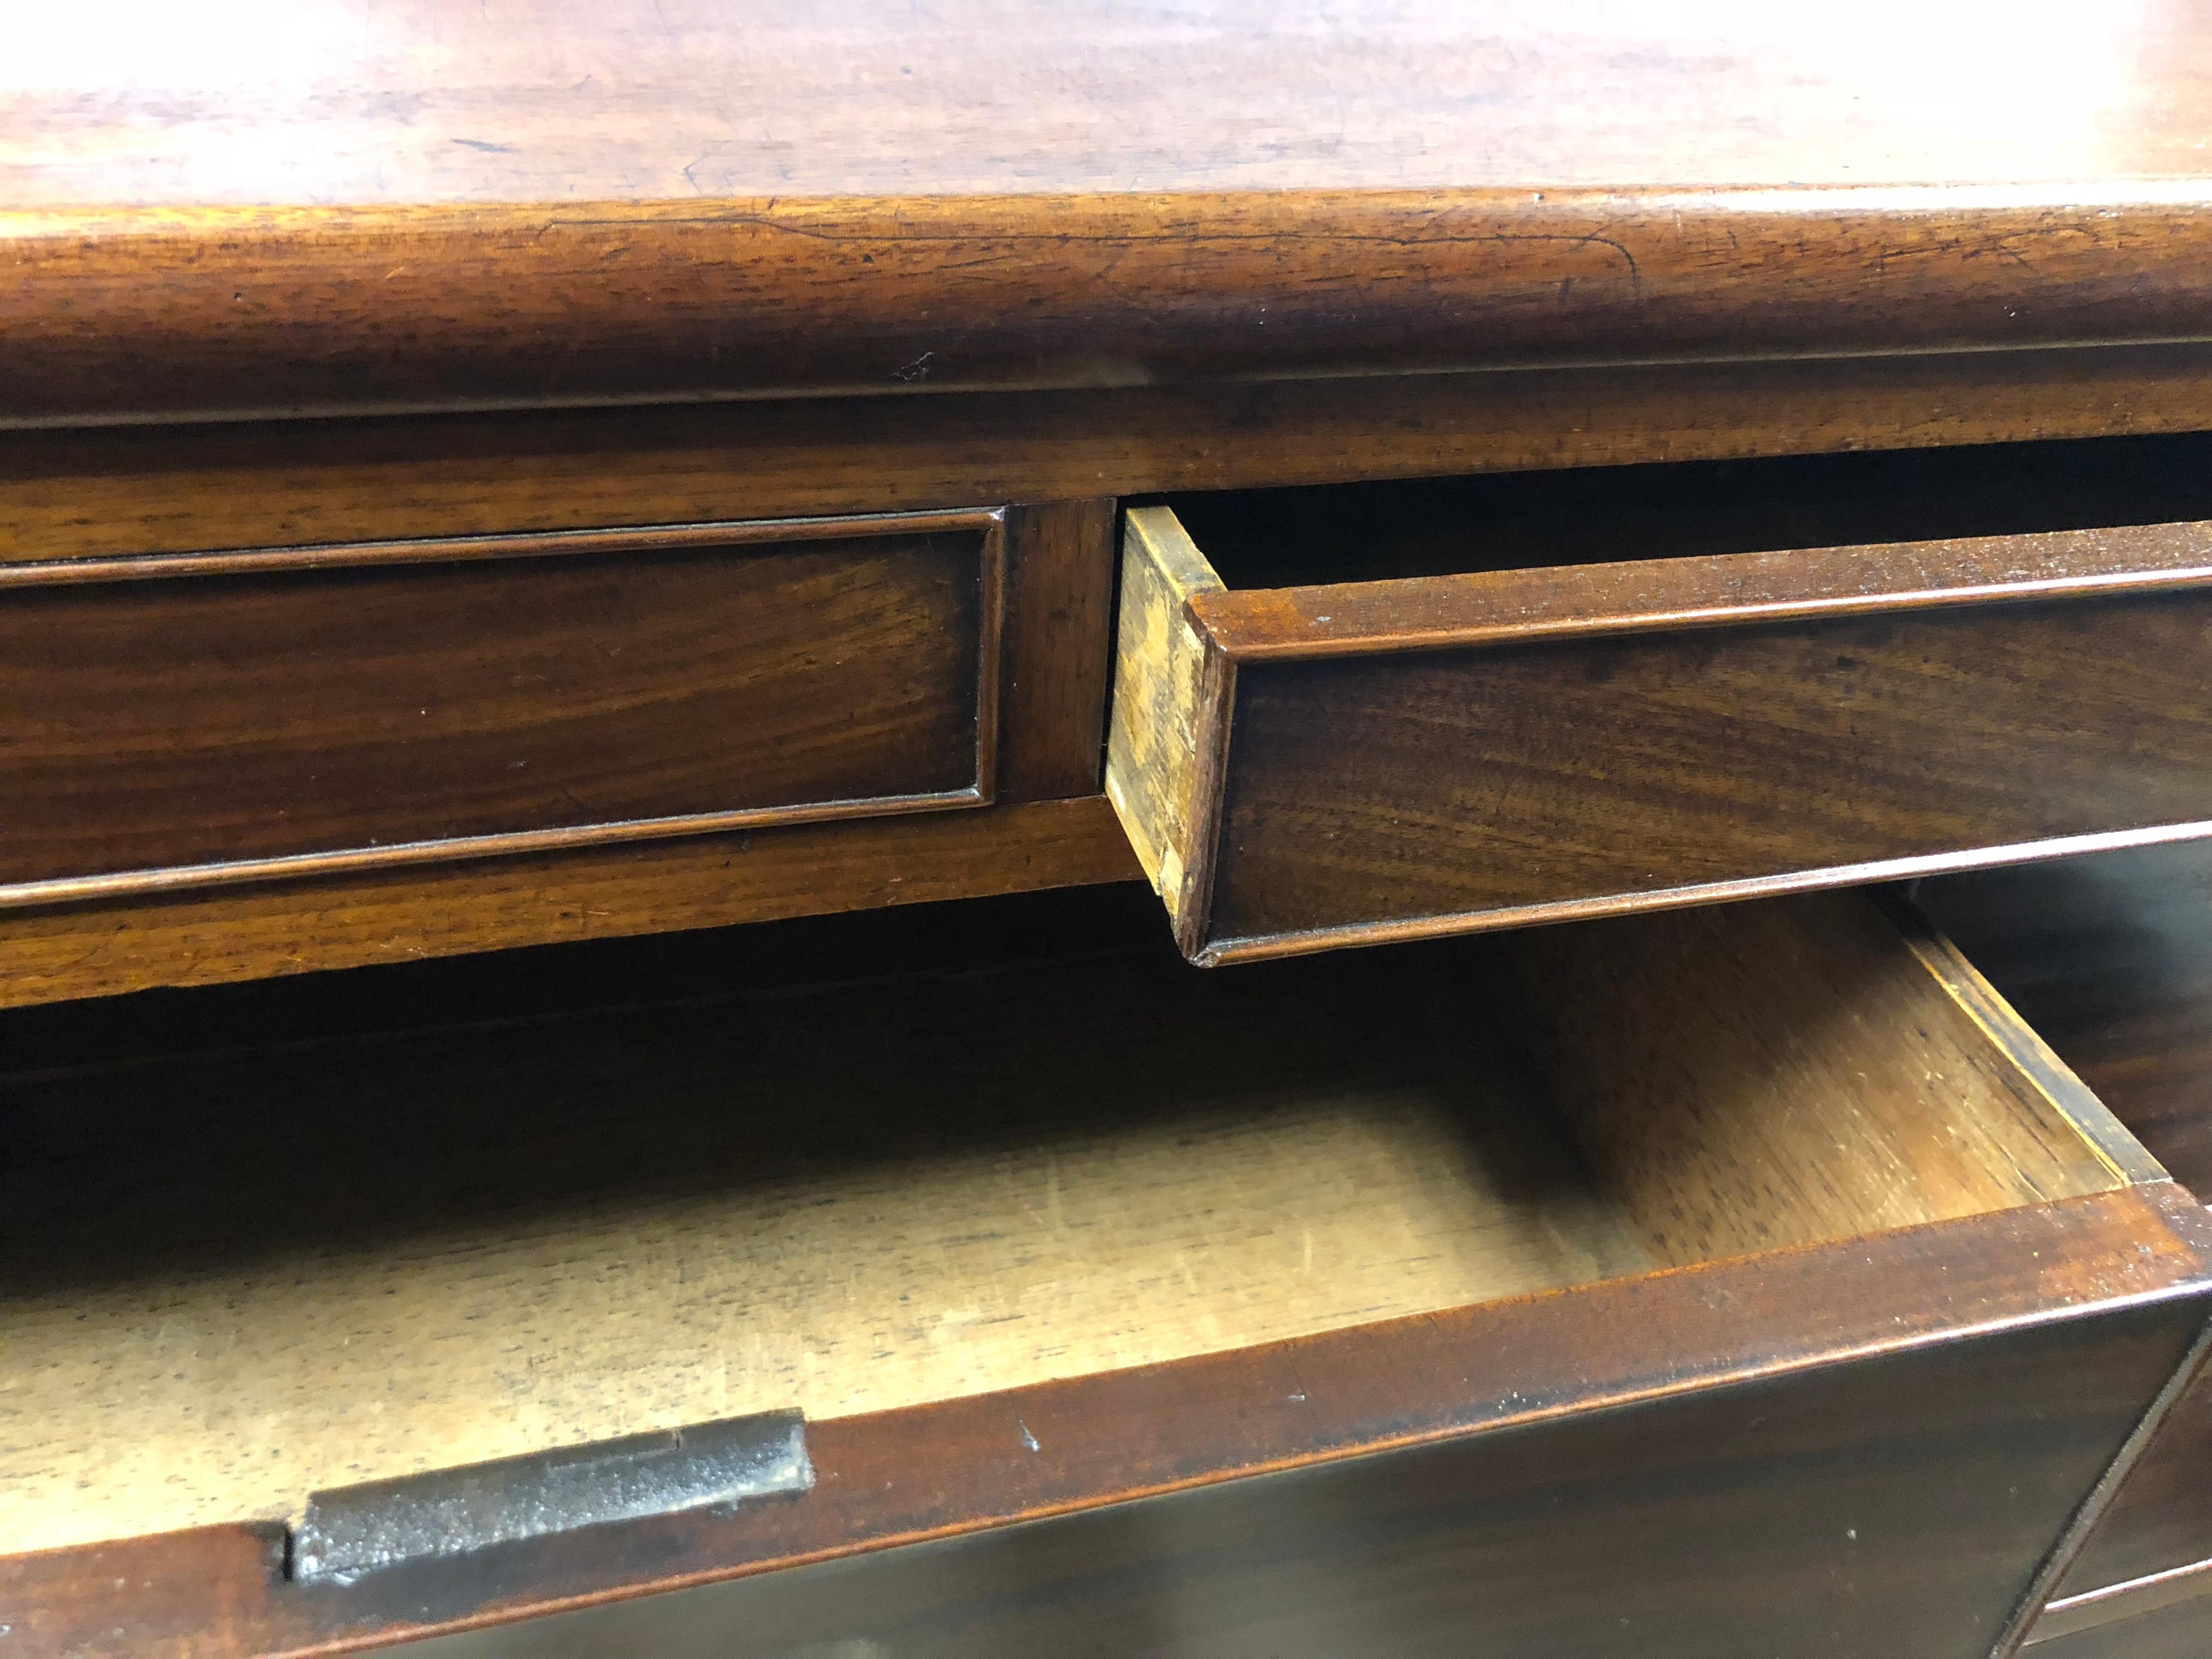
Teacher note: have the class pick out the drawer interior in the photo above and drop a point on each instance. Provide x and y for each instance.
(932, 1155)
(1430, 527)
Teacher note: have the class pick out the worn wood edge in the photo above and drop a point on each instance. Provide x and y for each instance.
(190, 489)
(1209, 787)
(2032, 1058)
(1360, 935)
(1155, 736)
(990, 522)
(1434, 1377)
(1471, 280)
(1515, 607)
(2027, 1618)
(358, 918)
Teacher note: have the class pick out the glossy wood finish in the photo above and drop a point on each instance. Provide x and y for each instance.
(2152, 1547)
(1685, 1480)
(2111, 958)
(852, 1258)
(1387, 759)
(1056, 660)
(1741, 1522)
(1049, 693)
(250, 312)
(113, 493)
(1674, 1405)
(635, 201)
(403, 102)
(350, 921)
(180, 721)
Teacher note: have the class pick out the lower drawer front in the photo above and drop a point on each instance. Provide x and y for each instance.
(1782, 1517)
(2111, 958)
(174, 722)
(1727, 1283)
(2182, 1631)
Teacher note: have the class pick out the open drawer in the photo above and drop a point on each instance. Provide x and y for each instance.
(1347, 716)
(1729, 1282)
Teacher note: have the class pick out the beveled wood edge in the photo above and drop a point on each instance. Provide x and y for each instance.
(991, 521)
(1515, 607)
(400, 855)
(1995, 1016)
(2034, 1611)
(1216, 952)
(991, 573)
(191, 488)
(1472, 277)
(990, 653)
(964, 1465)
(364, 918)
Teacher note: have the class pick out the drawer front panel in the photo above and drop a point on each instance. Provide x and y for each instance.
(1593, 773)
(2182, 1629)
(1888, 1511)
(1352, 762)
(164, 722)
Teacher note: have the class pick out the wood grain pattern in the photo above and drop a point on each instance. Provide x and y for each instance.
(350, 921)
(1164, 733)
(1994, 1439)
(1817, 1042)
(1674, 770)
(1444, 752)
(386, 206)
(1058, 650)
(67, 495)
(203, 1330)
(273, 311)
(2111, 958)
(1654, 594)
(1742, 1522)
(2154, 1545)
(403, 102)
(1317, 1146)
(175, 723)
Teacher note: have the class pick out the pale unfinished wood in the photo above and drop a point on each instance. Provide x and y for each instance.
(1156, 744)
(1756, 1076)
(237, 1277)
(463, 1246)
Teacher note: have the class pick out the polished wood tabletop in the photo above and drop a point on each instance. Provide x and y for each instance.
(405, 103)
(405, 203)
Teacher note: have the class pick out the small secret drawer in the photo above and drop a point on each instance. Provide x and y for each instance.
(185, 721)
(1348, 716)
